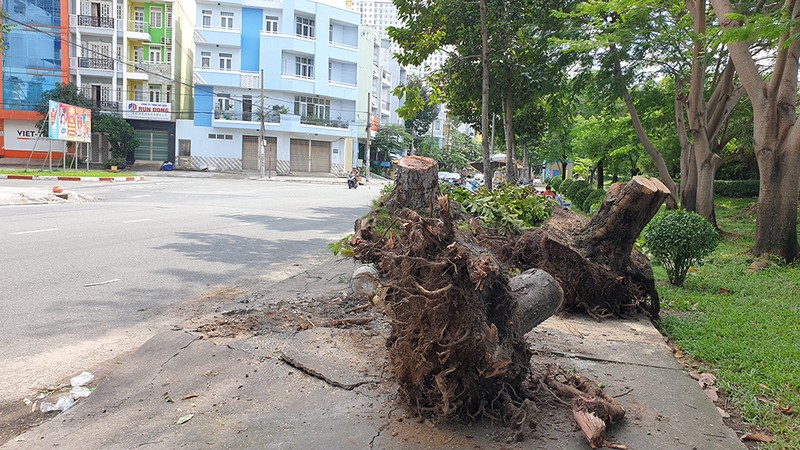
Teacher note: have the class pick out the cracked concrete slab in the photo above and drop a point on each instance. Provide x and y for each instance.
(333, 355)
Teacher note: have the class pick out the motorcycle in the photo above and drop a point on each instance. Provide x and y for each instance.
(352, 181)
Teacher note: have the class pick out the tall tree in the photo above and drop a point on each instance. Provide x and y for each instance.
(776, 136)
(419, 108)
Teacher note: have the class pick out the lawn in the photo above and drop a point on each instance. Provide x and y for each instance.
(742, 321)
(66, 173)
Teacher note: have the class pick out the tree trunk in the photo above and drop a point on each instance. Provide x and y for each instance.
(488, 173)
(600, 174)
(508, 106)
(417, 184)
(776, 215)
(595, 262)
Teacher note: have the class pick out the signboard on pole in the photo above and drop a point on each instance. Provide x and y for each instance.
(147, 111)
(69, 123)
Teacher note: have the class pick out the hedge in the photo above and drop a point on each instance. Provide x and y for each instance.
(562, 188)
(596, 197)
(581, 197)
(736, 188)
(574, 188)
(556, 182)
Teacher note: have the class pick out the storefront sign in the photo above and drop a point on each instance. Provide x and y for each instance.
(148, 111)
(23, 135)
(69, 123)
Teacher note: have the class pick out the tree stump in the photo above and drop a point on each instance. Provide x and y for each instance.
(456, 348)
(417, 184)
(595, 262)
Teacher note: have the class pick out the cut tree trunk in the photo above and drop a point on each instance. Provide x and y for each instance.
(456, 348)
(595, 262)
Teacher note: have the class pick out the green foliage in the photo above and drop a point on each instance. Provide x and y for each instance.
(419, 108)
(736, 188)
(507, 208)
(595, 198)
(581, 197)
(678, 239)
(555, 183)
(390, 139)
(564, 186)
(742, 324)
(343, 246)
(575, 188)
(121, 137)
(64, 93)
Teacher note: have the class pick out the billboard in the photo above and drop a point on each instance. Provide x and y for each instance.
(69, 123)
(147, 111)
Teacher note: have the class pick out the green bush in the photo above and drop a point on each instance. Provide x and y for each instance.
(596, 197)
(580, 197)
(575, 188)
(736, 188)
(562, 188)
(678, 239)
(556, 182)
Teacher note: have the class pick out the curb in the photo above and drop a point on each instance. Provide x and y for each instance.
(65, 178)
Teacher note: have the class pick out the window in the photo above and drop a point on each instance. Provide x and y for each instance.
(227, 137)
(305, 27)
(119, 10)
(169, 94)
(138, 93)
(169, 56)
(226, 20)
(138, 54)
(155, 93)
(155, 17)
(330, 32)
(271, 25)
(225, 60)
(138, 19)
(155, 54)
(205, 60)
(312, 107)
(304, 67)
(206, 18)
(224, 102)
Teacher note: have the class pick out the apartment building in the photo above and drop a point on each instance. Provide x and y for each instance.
(33, 61)
(125, 61)
(308, 53)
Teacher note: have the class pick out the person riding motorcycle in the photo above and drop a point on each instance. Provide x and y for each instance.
(352, 179)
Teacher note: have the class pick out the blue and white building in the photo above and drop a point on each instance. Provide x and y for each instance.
(309, 54)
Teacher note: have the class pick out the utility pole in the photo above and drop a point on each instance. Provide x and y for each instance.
(369, 132)
(261, 142)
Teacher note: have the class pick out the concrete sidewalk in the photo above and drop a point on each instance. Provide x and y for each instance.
(329, 388)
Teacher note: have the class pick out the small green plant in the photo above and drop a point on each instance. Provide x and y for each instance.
(678, 239)
(507, 208)
(343, 246)
(576, 187)
(580, 197)
(564, 186)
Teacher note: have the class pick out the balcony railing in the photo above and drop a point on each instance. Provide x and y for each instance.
(321, 122)
(96, 63)
(94, 21)
(138, 26)
(245, 116)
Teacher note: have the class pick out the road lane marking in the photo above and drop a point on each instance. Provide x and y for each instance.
(36, 231)
(141, 196)
(135, 220)
(102, 282)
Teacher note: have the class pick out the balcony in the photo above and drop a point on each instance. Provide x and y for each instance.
(138, 30)
(94, 21)
(96, 63)
(321, 122)
(244, 116)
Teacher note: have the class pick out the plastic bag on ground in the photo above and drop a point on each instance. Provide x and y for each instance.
(63, 404)
(80, 392)
(82, 379)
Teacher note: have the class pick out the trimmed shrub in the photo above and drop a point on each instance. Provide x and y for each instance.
(580, 197)
(562, 188)
(596, 197)
(574, 188)
(678, 239)
(736, 188)
(555, 183)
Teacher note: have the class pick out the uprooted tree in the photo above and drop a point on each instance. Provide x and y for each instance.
(458, 320)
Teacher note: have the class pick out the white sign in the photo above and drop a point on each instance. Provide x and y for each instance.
(147, 111)
(23, 135)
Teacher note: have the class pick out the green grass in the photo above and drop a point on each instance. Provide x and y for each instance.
(66, 173)
(744, 325)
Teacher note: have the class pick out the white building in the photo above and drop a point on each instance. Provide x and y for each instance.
(309, 55)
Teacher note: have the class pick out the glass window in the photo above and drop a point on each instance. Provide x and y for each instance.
(271, 25)
(312, 107)
(155, 54)
(169, 94)
(206, 18)
(305, 27)
(155, 93)
(205, 60)
(226, 20)
(304, 67)
(225, 61)
(224, 102)
(155, 17)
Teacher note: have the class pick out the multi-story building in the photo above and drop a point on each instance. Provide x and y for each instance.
(308, 54)
(125, 61)
(33, 61)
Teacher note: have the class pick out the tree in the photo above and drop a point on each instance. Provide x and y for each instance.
(776, 136)
(419, 109)
(390, 139)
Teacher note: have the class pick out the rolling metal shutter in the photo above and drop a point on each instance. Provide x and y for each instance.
(299, 155)
(320, 156)
(250, 152)
(153, 145)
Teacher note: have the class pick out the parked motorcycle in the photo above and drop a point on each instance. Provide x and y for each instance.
(352, 181)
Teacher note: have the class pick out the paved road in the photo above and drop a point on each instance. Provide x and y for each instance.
(85, 282)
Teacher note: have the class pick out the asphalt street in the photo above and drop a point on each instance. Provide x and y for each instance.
(85, 282)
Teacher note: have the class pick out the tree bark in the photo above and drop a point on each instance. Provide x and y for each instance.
(417, 184)
(508, 106)
(487, 166)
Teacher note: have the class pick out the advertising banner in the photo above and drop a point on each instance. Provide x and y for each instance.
(69, 123)
(147, 111)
